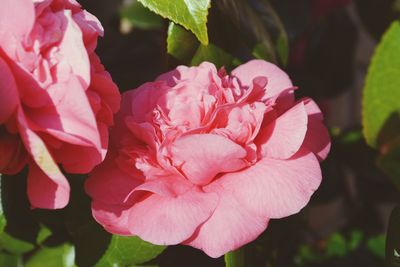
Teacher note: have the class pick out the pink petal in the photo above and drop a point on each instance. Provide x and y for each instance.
(283, 137)
(114, 218)
(16, 21)
(109, 184)
(202, 156)
(66, 118)
(171, 220)
(278, 80)
(8, 91)
(47, 186)
(317, 138)
(47, 192)
(275, 188)
(230, 227)
(73, 50)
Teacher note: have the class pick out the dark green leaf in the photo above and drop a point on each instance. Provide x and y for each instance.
(389, 163)
(376, 245)
(381, 105)
(191, 14)
(2, 217)
(61, 256)
(235, 258)
(393, 239)
(140, 17)
(125, 251)
(336, 246)
(355, 240)
(43, 234)
(14, 245)
(262, 51)
(213, 54)
(8, 260)
(181, 43)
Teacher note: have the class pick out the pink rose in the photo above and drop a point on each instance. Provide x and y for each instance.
(206, 159)
(56, 99)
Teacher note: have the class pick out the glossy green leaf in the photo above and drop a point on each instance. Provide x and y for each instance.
(125, 251)
(61, 256)
(140, 17)
(213, 54)
(181, 43)
(191, 14)
(381, 105)
(235, 258)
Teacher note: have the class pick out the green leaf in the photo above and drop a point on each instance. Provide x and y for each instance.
(61, 256)
(14, 245)
(43, 234)
(181, 43)
(191, 14)
(140, 17)
(376, 245)
(235, 258)
(125, 251)
(381, 105)
(213, 54)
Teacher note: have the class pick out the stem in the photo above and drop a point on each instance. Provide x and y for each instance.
(235, 258)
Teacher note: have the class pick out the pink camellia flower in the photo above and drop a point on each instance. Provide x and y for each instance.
(56, 99)
(206, 159)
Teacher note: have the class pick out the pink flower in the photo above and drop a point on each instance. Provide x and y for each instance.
(56, 99)
(206, 159)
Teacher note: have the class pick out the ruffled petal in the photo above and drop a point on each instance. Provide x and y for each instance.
(167, 220)
(202, 156)
(9, 98)
(283, 137)
(278, 80)
(230, 227)
(275, 188)
(47, 186)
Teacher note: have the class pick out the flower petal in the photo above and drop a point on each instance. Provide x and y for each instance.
(282, 138)
(202, 156)
(47, 192)
(108, 184)
(114, 218)
(278, 80)
(230, 227)
(278, 188)
(167, 220)
(16, 21)
(47, 186)
(66, 118)
(8, 91)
